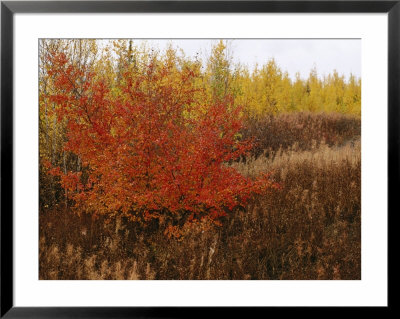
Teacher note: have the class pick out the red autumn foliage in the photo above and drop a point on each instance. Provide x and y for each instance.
(149, 146)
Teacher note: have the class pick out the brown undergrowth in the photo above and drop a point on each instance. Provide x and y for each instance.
(306, 130)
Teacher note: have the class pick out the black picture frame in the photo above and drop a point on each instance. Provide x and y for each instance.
(9, 8)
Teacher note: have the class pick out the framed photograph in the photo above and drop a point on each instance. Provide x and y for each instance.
(159, 158)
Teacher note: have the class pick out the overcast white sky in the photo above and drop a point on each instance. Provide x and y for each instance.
(291, 55)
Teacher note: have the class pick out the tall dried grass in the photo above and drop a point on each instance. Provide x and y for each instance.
(306, 130)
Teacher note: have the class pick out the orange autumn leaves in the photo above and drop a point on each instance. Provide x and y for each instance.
(152, 145)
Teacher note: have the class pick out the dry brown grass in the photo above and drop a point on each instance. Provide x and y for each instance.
(282, 161)
(304, 129)
(310, 229)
